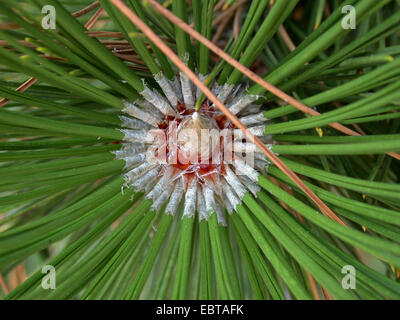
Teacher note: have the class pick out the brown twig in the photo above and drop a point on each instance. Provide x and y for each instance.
(17, 276)
(115, 42)
(105, 34)
(219, 5)
(236, 23)
(313, 286)
(9, 26)
(326, 294)
(23, 87)
(130, 58)
(227, 13)
(92, 21)
(211, 96)
(119, 46)
(87, 9)
(354, 125)
(327, 10)
(221, 28)
(3, 284)
(274, 90)
(286, 38)
(250, 74)
(28, 44)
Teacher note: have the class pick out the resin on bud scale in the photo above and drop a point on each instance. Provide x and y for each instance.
(175, 153)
